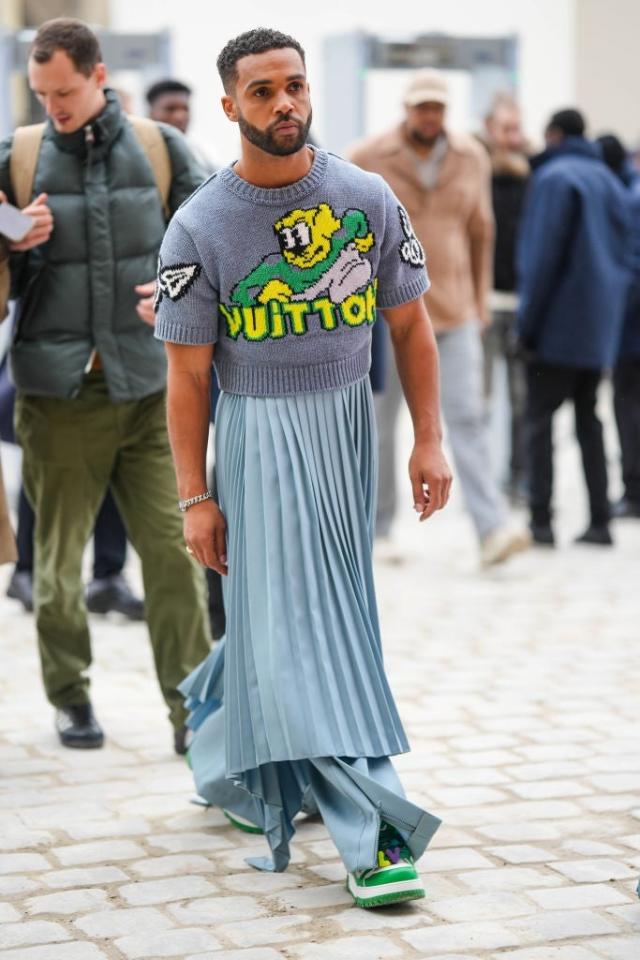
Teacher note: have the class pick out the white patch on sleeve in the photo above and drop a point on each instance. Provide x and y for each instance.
(176, 280)
(411, 250)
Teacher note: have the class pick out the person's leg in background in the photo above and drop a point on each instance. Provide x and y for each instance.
(626, 398)
(217, 618)
(21, 582)
(144, 486)
(463, 408)
(547, 388)
(517, 385)
(109, 590)
(68, 449)
(594, 461)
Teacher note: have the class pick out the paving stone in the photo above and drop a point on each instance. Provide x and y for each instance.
(19, 862)
(455, 859)
(509, 878)
(349, 948)
(108, 924)
(268, 930)
(173, 866)
(258, 953)
(483, 935)
(617, 948)
(184, 842)
(31, 932)
(214, 910)
(563, 924)
(364, 921)
(67, 903)
(12, 885)
(84, 877)
(520, 832)
(480, 906)
(103, 851)
(152, 892)
(118, 827)
(578, 897)
(593, 871)
(169, 943)
(567, 952)
(522, 853)
(311, 898)
(56, 951)
(8, 914)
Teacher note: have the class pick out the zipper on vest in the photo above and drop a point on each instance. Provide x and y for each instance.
(89, 140)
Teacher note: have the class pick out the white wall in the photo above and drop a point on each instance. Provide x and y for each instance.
(545, 27)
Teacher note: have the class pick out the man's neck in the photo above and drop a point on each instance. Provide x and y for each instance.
(420, 147)
(265, 170)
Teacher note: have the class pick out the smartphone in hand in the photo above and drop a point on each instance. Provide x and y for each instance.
(14, 224)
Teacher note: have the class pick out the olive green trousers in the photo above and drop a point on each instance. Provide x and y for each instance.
(74, 449)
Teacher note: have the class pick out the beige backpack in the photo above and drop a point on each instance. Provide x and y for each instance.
(25, 150)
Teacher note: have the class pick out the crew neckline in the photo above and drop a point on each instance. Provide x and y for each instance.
(274, 196)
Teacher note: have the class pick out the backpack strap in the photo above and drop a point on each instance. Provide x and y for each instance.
(154, 145)
(25, 150)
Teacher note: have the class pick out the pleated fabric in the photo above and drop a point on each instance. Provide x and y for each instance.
(300, 670)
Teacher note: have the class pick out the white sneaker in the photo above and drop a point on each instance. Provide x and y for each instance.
(502, 543)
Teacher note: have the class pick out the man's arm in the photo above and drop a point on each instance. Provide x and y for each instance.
(188, 382)
(481, 235)
(416, 355)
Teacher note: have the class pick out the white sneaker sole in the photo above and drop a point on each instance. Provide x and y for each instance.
(385, 893)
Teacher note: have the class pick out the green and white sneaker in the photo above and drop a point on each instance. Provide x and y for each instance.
(241, 823)
(394, 879)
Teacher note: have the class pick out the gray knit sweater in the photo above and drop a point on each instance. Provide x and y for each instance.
(285, 281)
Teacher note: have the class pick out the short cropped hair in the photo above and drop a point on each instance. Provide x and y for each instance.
(166, 86)
(259, 40)
(71, 36)
(570, 123)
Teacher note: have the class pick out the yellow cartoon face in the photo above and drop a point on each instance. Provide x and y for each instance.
(305, 235)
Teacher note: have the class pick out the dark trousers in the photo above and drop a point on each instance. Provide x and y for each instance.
(499, 341)
(626, 398)
(109, 538)
(548, 386)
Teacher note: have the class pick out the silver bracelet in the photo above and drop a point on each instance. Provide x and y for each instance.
(183, 505)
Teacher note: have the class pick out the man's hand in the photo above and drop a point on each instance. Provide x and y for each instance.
(145, 307)
(205, 534)
(42, 227)
(430, 478)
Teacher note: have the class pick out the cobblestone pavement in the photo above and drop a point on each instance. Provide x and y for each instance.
(520, 690)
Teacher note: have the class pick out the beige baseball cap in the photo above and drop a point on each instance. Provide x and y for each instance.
(427, 86)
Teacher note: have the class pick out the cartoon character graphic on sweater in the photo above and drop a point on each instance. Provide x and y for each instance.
(321, 255)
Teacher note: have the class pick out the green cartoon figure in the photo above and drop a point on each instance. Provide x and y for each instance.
(320, 255)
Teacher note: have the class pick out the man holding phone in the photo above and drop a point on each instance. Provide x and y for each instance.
(89, 374)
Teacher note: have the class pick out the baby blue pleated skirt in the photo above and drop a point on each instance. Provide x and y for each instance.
(294, 707)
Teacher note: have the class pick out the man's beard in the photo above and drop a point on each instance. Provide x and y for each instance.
(422, 139)
(265, 139)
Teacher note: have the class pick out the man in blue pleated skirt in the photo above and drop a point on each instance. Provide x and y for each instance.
(275, 271)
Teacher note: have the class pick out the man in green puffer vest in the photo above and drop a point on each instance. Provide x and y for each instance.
(90, 376)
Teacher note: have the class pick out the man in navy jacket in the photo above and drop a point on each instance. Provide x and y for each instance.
(573, 266)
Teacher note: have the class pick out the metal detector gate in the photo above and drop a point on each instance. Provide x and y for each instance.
(149, 54)
(491, 61)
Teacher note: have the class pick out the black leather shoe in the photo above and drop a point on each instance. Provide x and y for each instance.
(542, 534)
(624, 508)
(182, 740)
(77, 727)
(21, 588)
(600, 536)
(114, 594)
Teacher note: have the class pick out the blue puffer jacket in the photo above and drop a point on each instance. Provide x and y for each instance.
(630, 344)
(574, 256)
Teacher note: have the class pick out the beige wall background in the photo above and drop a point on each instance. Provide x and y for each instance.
(606, 64)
